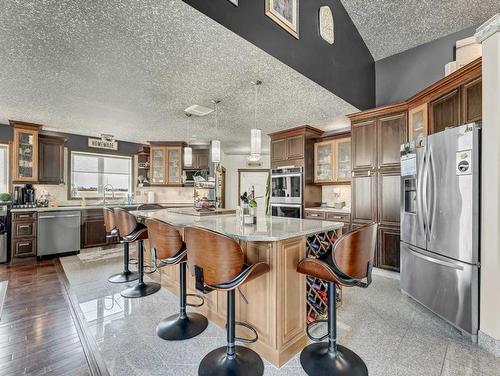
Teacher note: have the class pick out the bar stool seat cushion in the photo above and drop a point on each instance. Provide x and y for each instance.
(248, 273)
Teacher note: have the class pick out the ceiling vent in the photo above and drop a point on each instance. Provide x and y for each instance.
(198, 110)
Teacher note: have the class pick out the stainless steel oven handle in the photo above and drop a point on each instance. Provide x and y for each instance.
(286, 176)
(59, 216)
(436, 261)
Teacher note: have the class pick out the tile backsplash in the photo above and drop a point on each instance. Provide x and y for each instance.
(343, 193)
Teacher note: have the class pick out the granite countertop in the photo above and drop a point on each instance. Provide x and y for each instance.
(267, 229)
(80, 207)
(330, 209)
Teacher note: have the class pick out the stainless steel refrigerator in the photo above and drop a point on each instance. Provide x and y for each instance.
(440, 224)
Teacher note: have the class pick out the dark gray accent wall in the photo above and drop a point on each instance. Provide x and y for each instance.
(345, 68)
(76, 142)
(401, 76)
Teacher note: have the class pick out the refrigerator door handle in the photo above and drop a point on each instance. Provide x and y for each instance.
(432, 199)
(422, 191)
(435, 260)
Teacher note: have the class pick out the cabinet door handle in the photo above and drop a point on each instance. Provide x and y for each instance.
(22, 244)
(24, 226)
(24, 216)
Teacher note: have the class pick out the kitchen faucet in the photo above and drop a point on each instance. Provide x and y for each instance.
(104, 193)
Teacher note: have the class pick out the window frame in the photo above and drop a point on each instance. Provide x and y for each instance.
(6, 145)
(118, 195)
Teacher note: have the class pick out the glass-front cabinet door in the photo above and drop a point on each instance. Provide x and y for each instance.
(25, 155)
(343, 160)
(417, 124)
(323, 162)
(174, 165)
(158, 175)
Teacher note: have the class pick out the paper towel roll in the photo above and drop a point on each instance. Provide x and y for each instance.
(151, 197)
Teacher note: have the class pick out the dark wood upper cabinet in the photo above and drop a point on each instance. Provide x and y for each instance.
(388, 248)
(363, 205)
(295, 147)
(363, 145)
(444, 112)
(389, 198)
(391, 133)
(50, 159)
(278, 150)
(472, 96)
(200, 160)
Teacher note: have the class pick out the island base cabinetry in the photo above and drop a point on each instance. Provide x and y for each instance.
(274, 304)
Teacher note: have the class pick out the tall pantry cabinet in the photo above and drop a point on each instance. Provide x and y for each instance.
(376, 139)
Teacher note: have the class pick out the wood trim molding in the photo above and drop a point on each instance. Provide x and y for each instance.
(379, 111)
(25, 125)
(296, 131)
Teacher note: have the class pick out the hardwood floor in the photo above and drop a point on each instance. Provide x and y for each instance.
(39, 332)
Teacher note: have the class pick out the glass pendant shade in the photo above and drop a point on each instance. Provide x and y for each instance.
(215, 151)
(255, 142)
(188, 156)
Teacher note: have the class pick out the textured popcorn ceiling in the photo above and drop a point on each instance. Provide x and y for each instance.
(129, 68)
(392, 26)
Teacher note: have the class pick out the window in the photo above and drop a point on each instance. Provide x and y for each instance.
(92, 173)
(4, 168)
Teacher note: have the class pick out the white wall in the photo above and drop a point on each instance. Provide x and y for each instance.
(490, 190)
(233, 162)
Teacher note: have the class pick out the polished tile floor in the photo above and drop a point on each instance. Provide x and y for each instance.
(393, 334)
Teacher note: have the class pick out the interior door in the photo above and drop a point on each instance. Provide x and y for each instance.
(451, 194)
(258, 180)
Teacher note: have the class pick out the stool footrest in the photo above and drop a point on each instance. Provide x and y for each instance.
(312, 324)
(249, 327)
(149, 269)
(196, 296)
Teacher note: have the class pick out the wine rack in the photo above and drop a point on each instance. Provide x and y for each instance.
(318, 245)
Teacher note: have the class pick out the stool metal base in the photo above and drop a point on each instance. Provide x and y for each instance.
(316, 360)
(124, 277)
(140, 290)
(246, 363)
(174, 328)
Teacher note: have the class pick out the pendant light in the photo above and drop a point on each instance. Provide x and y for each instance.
(215, 148)
(188, 151)
(255, 133)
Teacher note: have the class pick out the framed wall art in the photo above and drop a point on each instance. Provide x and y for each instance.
(285, 13)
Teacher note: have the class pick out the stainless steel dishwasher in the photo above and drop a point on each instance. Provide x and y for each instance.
(58, 232)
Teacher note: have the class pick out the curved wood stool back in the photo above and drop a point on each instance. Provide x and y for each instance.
(109, 220)
(219, 264)
(125, 222)
(169, 249)
(112, 233)
(349, 264)
(132, 231)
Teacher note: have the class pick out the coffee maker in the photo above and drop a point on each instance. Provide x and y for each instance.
(24, 196)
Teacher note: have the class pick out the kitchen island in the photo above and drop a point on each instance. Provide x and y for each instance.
(275, 303)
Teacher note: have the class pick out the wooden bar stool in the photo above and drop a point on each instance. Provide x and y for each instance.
(113, 233)
(349, 263)
(127, 224)
(218, 263)
(169, 249)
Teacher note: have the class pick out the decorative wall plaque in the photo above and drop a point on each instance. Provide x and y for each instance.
(326, 29)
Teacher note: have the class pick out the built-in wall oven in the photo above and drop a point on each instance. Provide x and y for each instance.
(286, 192)
(286, 210)
(286, 185)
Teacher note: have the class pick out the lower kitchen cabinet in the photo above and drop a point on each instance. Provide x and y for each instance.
(388, 248)
(24, 247)
(23, 238)
(93, 232)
